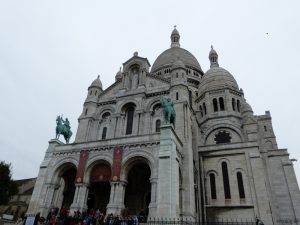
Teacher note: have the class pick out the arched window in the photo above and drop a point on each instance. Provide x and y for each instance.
(130, 113)
(226, 181)
(221, 101)
(240, 184)
(215, 103)
(105, 115)
(213, 192)
(104, 131)
(238, 105)
(233, 104)
(201, 111)
(204, 108)
(86, 111)
(177, 96)
(157, 125)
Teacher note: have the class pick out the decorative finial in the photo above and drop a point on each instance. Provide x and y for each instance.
(212, 47)
(136, 53)
(175, 26)
(120, 68)
(98, 76)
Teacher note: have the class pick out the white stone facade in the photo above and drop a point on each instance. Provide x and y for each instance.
(219, 161)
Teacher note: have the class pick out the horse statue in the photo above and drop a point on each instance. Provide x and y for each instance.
(63, 127)
(168, 110)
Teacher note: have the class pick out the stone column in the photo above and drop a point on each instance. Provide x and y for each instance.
(112, 128)
(80, 198)
(168, 175)
(139, 120)
(153, 205)
(116, 200)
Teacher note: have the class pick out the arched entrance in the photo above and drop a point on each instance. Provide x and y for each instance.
(138, 189)
(99, 190)
(68, 175)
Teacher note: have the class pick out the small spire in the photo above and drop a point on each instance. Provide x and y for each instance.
(98, 77)
(175, 38)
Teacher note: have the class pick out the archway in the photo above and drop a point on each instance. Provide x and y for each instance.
(138, 189)
(68, 176)
(99, 190)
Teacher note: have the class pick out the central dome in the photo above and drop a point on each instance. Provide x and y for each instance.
(171, 55)
(175, 53)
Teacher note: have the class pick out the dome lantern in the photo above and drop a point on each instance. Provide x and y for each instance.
(213, 58)
(175, 37)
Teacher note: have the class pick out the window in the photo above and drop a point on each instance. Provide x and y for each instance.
(177, 96)
(265, 128)
(204, 108)
(238, 105)
(176, 75)
(226, 181)
(91, 92)
(240, 184)
(157, 125)
(213, 192)
(221, 101)
(233, 104)
(222, 137)
(190, 98)
(201, 111)
(215, 103)
(95, 93)
(86, 110)
(130, 112)
(104, 131)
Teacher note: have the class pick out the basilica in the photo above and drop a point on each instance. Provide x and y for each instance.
(217, 160)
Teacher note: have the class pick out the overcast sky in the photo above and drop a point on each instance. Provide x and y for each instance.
(51, 51)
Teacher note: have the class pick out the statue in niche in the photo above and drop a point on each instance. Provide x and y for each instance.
(135, 78)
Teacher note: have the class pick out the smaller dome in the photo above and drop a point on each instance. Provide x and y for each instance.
(178, 64)
(217, 78)
(246, 108)
(119, 75)
(96, 83)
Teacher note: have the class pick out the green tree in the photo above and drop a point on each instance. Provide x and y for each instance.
(8, 187)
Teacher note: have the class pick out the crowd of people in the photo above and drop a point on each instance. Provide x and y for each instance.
(90, 217)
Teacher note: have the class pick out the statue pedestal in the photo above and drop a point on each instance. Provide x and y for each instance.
(168, 174)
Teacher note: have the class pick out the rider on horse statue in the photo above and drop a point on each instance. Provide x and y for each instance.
(63, 127)
(168, 110)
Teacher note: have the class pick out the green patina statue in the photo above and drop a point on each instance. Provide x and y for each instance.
(168, 111)
(63, 127)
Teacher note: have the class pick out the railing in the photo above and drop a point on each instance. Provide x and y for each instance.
(178, 221)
